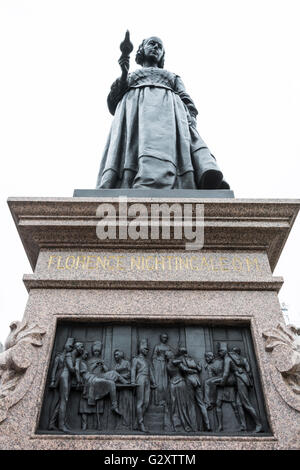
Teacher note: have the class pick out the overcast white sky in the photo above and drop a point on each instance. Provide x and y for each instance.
(239, 60)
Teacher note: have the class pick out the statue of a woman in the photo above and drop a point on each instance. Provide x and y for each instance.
(182, 406)
(153, 142)
(125, 402)
(160, 369)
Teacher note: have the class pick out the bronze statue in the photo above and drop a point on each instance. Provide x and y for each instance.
(142, 376)
(153, 142)
(191, 371)
(160, 369)
(61, 377)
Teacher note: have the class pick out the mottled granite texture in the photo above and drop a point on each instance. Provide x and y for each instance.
(66, 227)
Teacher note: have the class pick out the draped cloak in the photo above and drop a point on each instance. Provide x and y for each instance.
(154, 126)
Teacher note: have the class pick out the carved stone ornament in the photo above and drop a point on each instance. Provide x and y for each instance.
(18, 363)
(283, 342)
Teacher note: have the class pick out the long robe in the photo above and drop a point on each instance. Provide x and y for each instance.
(154, 136)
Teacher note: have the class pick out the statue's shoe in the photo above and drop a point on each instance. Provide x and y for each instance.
(142, 428)
(116, 410)
(258, 428)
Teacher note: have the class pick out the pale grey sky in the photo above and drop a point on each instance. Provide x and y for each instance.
(239, 60)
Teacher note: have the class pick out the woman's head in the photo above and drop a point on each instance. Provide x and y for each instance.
(96, 348)
(118, 355)
(151, 51)
(164, 338)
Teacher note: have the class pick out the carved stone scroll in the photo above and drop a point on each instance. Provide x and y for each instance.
(18, 363)
(283, 344)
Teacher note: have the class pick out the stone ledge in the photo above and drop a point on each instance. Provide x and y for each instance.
(230, 224)
(33, 282)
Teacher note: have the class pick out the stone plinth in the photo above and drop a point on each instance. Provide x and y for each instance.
(81, 280)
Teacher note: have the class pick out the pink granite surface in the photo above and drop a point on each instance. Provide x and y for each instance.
(47, 306)
(193, 296)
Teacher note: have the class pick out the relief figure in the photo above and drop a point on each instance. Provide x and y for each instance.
(160, 369)
(191, 370)
(142, 375)
(241, 369)
(61, 379)
(182, 407)
(98, 383)
(125, 398)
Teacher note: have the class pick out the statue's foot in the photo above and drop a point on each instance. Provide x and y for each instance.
(258, 428)
(52, 427)
(116, 410)
(187, 429)
(220, 428)
(208, 428)
(64, 429)
(243, 428)
(142, 428)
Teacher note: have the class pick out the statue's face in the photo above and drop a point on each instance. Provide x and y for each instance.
(164, 338)
(117, 355)
(153, 49)
(209, 357)
(97, 351)
(144, 351)
(222, 352)
(69, 345)
(80, 348)
(236, 350)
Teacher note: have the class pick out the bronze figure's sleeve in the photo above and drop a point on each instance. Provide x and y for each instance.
(117, 91)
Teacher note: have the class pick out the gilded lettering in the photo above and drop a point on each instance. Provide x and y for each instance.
(161, 262)
(237, 264)
(73, 261)
(80, 260)
(50, 262)
(193, 267)
(223, 263)
(58, 263)
(250, 263)
(102, 262)
(89, 262)
(135, 263)
(147, 263)
(119, 266)
(204, 263)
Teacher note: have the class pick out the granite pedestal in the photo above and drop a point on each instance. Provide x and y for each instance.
(80, 280)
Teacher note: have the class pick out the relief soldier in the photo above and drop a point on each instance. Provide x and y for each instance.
(61, 378)
(220, 386)
(142, 376)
